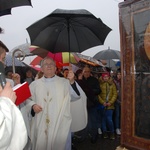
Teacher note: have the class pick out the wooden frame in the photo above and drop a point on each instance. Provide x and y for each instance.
(135, 49)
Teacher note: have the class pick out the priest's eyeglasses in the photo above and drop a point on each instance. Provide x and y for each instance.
(49, 65)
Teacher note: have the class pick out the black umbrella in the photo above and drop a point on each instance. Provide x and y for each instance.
(107, 54)
(68, 31)
(6, 5)
(5, 12)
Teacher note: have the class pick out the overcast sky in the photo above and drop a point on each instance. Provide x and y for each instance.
(15, 25)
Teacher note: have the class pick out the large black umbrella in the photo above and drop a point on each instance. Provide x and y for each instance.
(68, 31)
(107, 54)
(6, 5)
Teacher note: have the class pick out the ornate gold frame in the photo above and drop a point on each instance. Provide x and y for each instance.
(127, 10)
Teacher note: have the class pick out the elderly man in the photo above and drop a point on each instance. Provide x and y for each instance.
(50, 104)
(91, 87)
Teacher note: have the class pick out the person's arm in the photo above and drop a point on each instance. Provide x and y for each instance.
(114, 94)
(16, 78)
(31, 105)
(32, 111)
(75, 88)
(8, 92)
(71, 77)
(35, 109)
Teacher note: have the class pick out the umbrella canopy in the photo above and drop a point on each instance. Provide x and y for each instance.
(63, 57)
(19, 65)
(24, 50)
(8, 61)
(35, 63)
(68, 31)
(83, 60)
(6, 5)
(118, 64)
(5, 12)
(36, 50)
(107, 54)
(111, 64)
(87, 60)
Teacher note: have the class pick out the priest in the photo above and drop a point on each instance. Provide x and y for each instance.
(51, 104)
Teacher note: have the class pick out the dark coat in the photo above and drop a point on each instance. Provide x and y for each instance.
(91, 88)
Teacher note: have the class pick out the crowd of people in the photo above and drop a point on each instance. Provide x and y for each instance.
(63, 105)
(103, 93)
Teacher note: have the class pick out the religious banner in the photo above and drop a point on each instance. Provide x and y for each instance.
(135, 49)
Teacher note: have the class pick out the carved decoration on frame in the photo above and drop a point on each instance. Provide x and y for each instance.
(134, 17)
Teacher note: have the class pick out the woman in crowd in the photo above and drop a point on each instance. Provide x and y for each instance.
(107, 98)
(117, 113)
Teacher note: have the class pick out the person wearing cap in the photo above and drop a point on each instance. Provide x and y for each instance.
(107, 98)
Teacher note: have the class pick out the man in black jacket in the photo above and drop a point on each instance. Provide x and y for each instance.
(90, 86)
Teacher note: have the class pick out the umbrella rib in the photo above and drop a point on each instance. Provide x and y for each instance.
(62, 28)
(85, 26)
(76, 39)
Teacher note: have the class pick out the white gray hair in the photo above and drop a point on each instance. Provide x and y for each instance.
(42, 61)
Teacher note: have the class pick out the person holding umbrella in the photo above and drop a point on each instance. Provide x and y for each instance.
(52, 120)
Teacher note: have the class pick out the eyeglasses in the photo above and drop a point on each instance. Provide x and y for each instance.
(49, 65)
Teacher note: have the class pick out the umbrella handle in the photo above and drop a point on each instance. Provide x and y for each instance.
(13, 58)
